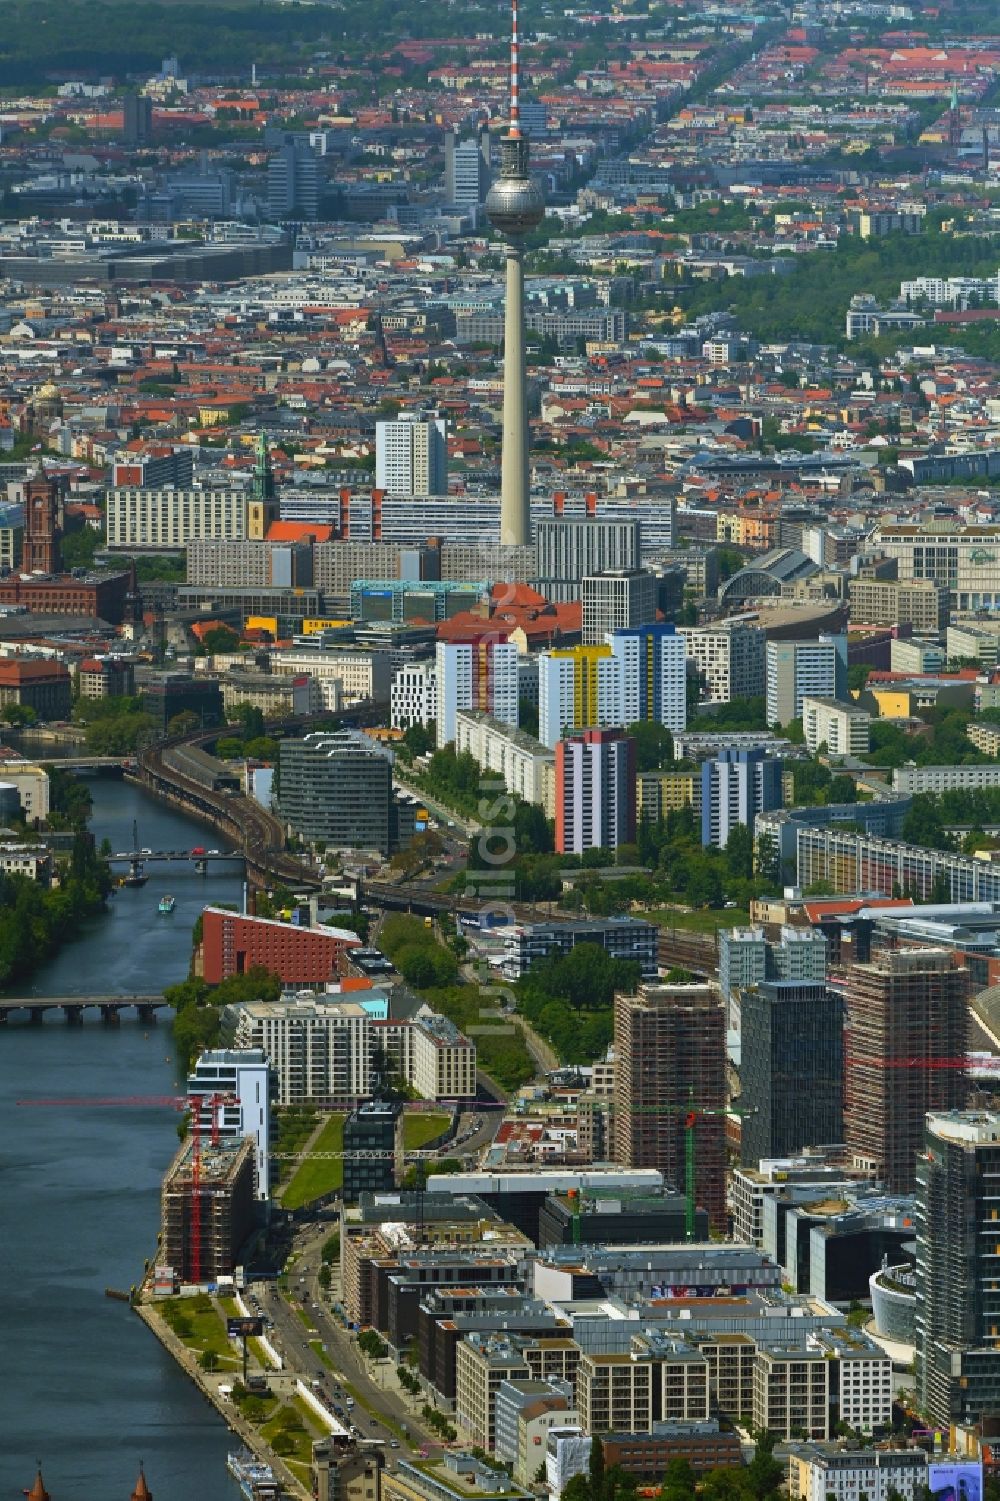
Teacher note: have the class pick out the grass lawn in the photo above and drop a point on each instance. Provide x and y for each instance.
(306, 1427)
(200, 1328)
(317, 1176)
(705, 920)
(419, 1127)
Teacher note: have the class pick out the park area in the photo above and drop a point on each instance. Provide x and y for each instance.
(318, 1173)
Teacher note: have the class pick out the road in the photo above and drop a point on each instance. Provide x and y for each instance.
(291, 1339)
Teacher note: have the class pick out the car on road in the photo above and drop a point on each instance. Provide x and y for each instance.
(199, 849)
(394, 1444)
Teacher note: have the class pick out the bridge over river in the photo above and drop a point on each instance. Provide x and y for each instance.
(33, 1007)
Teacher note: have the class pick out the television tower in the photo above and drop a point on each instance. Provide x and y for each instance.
(514, 205)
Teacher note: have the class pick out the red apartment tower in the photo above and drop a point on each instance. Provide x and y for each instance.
(40, 549)
(670, 1046)
(906, 1040)
(595, 791)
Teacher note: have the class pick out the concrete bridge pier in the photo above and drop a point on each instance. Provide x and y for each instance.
(73, 1015)
(111, 1016)
(35, 1016)
(146, 1013)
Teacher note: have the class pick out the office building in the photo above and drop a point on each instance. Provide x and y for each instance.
(671, 1059)
(336, 790)
(478, 673)
(172, 693)
(904, 1056)
(729, 659)
(137, 119)
(234, 1086)
(917, 601)
(413, 696)
(843, 728)
(528, 944)
(292, 181)
(201, 1245)
(320, 1049)
(705, 1445)
(483, 1364)
(791, 1068)
(411, 455)
(595, 791)
(570, 549)
(653, 674)
(795, 670)
(658, 1379)
(515, 206)
(736, 785)
(467, 169)
(168, 519)
(233, 943)
(616, 602)
(373, 1149)
(38, 684)
(963, 560)
(958, 1294)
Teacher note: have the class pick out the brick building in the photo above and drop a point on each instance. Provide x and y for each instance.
(232, 944)
(100, 596)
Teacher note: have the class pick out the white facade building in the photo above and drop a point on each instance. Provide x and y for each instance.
(911, 778)
(795, 670)
(653, 664)
(526, 766)
(443, 1060)
(411, 455)
(480, 674)
(320, 1050)
(845, 729)
(243, 1076)
(413, 697)
(173, 518)
(730, 660)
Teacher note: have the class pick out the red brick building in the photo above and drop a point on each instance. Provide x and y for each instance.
(232, 944)
(100, 596)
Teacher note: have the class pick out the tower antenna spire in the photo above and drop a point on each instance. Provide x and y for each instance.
(515, 75)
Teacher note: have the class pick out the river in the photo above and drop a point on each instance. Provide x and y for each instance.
(86, 1388)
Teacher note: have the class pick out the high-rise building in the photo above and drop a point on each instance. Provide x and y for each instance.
(595, 791)
(242, 1079)
(570, 549)
(654, 674)
(375, 1127)
(137, 119)
(515, 206)
(958, 1292)
(670, 1078)
(293, 181)
(411, 455)
(796, 670)
(844, 728)
(904, 1055)
(578, 687)
(480, 673)
(615, 602)
(736, 785)
(729, 659)
(202, 1245)
(336, 789)
(319, 1048)
(467, 169)
(791, 1068)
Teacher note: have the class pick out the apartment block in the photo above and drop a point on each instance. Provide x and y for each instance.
(735, 786)
(479, 673)
(653, 674)
(411, 455)
(524, 764)
(578, 687)
(729, 660)
(413, 696)
(594, 791)
(844, 728)
(795, 670)
(320, 1050)
(444, 1060)
(173, 518)
(482, 1364)
(658, 793)
(657, 1380)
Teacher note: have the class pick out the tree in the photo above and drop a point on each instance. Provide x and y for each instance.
(19, 715)
(654, 744)
(739, 851)
(208, 1360)
(598, 1478)
(184, 723)
(679, 1481)
(764, 1471)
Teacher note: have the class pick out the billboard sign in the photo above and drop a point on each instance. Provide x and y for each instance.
(960, 1480)
(246, 1328)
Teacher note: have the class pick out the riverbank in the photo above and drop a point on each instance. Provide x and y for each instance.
(209, 1385)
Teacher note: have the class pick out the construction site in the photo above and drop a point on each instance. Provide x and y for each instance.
(207, 1208)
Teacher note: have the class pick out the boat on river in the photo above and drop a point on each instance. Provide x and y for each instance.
(256, 1480)
(167, 904)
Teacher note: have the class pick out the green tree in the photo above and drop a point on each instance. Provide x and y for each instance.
(739, 851)
(19, 715)
(654, 744)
